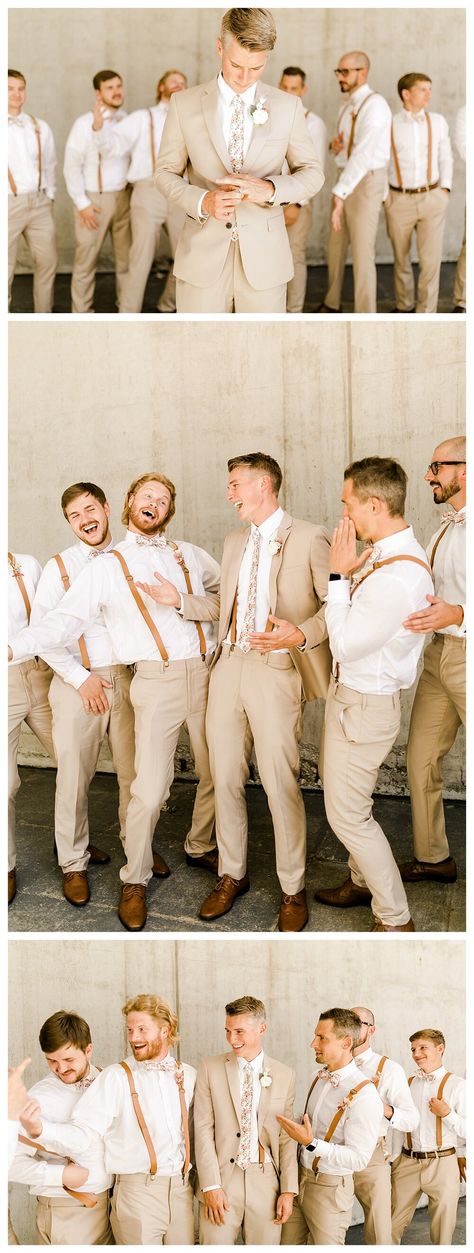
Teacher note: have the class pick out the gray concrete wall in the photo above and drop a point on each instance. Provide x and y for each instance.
(421, 984)
(107, 402)
(59, 50)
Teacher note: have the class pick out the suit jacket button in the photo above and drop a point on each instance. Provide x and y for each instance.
(232, 1159)
(238, 1134)
(228, 226)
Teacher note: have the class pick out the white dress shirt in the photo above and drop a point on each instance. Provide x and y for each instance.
(23, 156)
(393, 1090)
(376, 654)
(268, 531)
(319, 138)
(102, 587)
(410, 134)
(132, 138)
(50, 591)
(106, 1112)
(371, 147)
(14, 1130)
(449, 568)
(17, 621)
(354, 1140)
(44, 1174)
(453, 1125)
(460, 132)
(81, 161)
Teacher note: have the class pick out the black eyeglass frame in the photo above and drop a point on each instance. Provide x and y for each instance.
(434, 465)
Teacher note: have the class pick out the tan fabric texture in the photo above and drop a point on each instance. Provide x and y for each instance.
(252, 1198)
(439, 709)
(322, 1210)
(114, 216)
(298, 234)
(360, 218)
(32, 215)
(423, 213)
(372, 1188)
(28, 687)
(459, 293)
(152, 1211)
(438, 1178)
(149, 211)
(63, 1220)
(231, 293)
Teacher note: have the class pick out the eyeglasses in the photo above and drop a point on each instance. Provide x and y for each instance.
(363, 1023)
(344, 73)
(434, 466)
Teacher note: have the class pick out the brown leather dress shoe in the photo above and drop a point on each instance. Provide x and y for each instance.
(160, 869)
(132, 909)
(378, 925)
(98, 856)
(11, 886)
(346, 895)
(293, 914)
(76, 887)
(439, 872)
(323, 308)
(222, 898)
(207, 861)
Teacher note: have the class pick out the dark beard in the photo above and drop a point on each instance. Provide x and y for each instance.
(451, 489)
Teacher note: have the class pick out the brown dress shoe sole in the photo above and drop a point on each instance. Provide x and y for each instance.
(164, 871)
(77, 904)
(220, 914)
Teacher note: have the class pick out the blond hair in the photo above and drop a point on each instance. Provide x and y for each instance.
(157, 1009)
(161, 82)
(154, 477)
(254, 29)
(428, 1033)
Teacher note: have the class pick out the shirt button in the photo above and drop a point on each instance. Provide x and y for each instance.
(228, 226)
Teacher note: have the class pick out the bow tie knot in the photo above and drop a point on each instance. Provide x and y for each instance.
(333, 1079)
(151, 541)
(428, 1078)
(15, 121)
(83, 1084)
(450, 515)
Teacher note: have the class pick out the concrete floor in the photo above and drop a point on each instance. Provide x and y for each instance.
(174, 903)
(419, 1230)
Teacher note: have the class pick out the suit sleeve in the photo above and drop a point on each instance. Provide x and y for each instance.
(204, 608)
(288, 1148)
(172, 163)
(315, 628)
(306, 175)
(207, 1164)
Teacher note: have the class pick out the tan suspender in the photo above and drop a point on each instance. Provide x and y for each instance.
(11, 179)
(99, 173)
(354, 120)
(66, 584)
(439, 1121)
(378, 1072)
(181, 562)
(337, 1117)
(144, 1129)
(86, 1198)
(152, 142)
(430, 154)
(438, 541)
(388, 562)
(144, 611)
(19, 578)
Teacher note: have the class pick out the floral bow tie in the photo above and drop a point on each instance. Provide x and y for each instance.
(168, 1065)
(82, 1084)
(16, 121)
(333, 1079)
(450, 515)
(428, 1078)
(151, 541)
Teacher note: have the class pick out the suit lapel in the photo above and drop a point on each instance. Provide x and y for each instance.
(240, 544)
(232, 1074)
(282, 536)
(210, 108)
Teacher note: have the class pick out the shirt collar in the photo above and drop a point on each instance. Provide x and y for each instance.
(256, 1063)
(90, 551)
(439, 1072)
(228, 93)
(342, 1071)
(270, 525)
(394, 543)
(358, 95)
(413, 117)
(365, 1056)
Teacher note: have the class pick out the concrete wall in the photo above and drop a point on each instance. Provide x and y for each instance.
(421, 984)
(60, 49)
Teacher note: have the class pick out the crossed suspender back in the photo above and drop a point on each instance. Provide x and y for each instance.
(439, 1121)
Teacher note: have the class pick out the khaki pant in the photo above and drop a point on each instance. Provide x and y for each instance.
(257, 697)
(459, 293)
(424, 213)
(148, 212)
(322, 1209)
(231, 294)
(297, 237)
(63, 1220)
(152, 1211)
(360, 218)
(163, 699)
(77, 737)
(252, 1195)
(438, 710)
(372, 1188)
(32, 215)
(12, 1236)
(359, 732)
(28, 687)
(114, 216)
(438, 1178)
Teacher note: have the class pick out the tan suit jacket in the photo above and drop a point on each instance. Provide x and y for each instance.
(217, 1121)
(193, 143)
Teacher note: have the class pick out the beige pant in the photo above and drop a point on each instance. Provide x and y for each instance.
(63, 1220)
(32, 215)
(252, 1196)
(297, 238)
(152, 1211)
(259, 697)
(114, 216)
(231, 294)
(322, 1209)
(438, 1178)
(163, 699)
(372, 1188)
(438, 710)
(359, 732)
(148, 212)
(12, 1236)
(360, 218)
(77, 737)
(28, 686)
(459, 293)
(424, 213)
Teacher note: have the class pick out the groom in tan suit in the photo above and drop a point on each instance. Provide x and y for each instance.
(221, 158)
(247, 1167)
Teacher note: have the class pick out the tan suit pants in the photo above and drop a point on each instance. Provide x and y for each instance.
(259, 697)
(438, 710)
(152, 1211)
(359, 732)
(28, 687)
(32, 215)
(438, 1178)
(77, 737)
(163, 699)
(297, 237)
(63, 1220)
(12, 1236)
(148, 213)
(322, 1210)
(372, 1188)
(252, 1195)
(114, 216)
(424, 213)
(360, 218)
(231, 294)
(459, 293)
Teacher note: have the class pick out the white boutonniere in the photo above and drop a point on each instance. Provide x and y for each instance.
(265, 1079)
(274, 546)
(258, 112)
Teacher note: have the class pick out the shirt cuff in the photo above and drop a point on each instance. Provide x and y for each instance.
(54, 1175)
(461, 630)
(212, 1187)
(339, 592)
(203, 216)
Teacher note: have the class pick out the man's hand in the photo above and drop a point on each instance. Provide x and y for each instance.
(164, 594)
(74, 1176)
(439, 1107)
(462, 1169)
(440, 614)
(337, 144)
(301, 1132)
(336, 215)
(284, 1208)
(284, 635)
(257, 190)
(343, 557)
(98, 116)
(88, 217)
(387, 1109)
(93, 696)
(215, 1205)
(221, 204)
(291, 214)
(30, 1119)
(17, 1094)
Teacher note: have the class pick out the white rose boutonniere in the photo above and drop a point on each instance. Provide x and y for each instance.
(274, 546)
(258, 112)
(265, 1079)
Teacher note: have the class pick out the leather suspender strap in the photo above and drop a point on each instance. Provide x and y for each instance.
(337, 1117)
(354, 120)
(185, 1126)
(99, 173)
(182, 563)
(85, 1198)
(141, 1121)
(430, 154)
(409, 1137)
(66, 584)
(19, 578)
(378, 1072)
(438, 541)
(144, 612)
(12, 183)
(395, 159)
(388, 562)
(152, 142)
(430, 146)
(315, 1080)
(38, 141)
(439, 1121)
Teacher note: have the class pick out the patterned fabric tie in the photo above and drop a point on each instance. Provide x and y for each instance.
(236, 136)
(151, 541)
(450, 515)
(428, 1078)
(83, 1084)
(16, 121)
(334, 1080)
(248, 624)
(243, 1156)
(168, 1065)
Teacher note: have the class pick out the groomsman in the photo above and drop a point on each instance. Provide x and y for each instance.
(299, 217)
(274, 575)
(439, 708)
(459, 292)
(246, 1164)
(31, 192)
